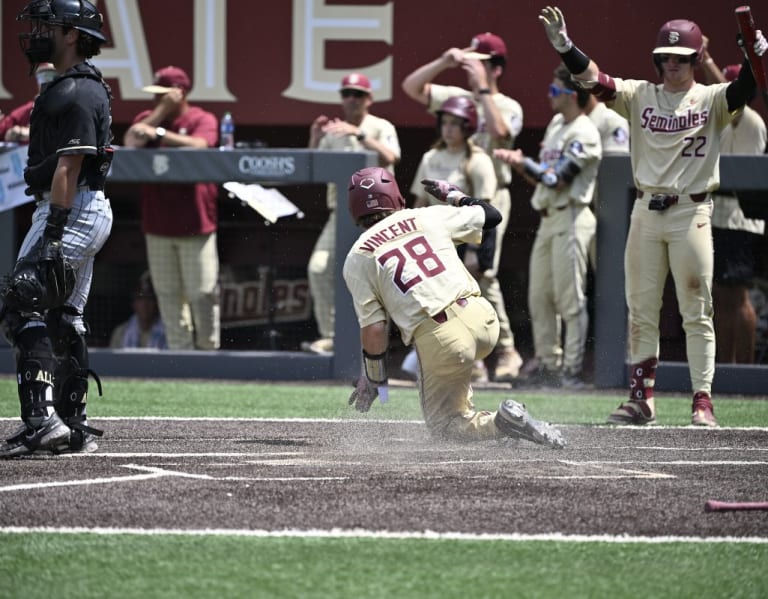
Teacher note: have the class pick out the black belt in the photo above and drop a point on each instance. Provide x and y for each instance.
(40, 195)
(545, 213)
(442, 317)
(662, 201)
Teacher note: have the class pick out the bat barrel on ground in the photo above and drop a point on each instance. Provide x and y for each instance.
(734, 506)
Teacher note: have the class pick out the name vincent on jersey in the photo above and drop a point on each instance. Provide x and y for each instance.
(393, 231)
(672, 124)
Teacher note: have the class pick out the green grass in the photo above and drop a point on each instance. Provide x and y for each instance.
(83, 566)
(223, 399)
(89, 565)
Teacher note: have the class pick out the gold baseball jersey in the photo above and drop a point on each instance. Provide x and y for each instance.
(474, 175)
(579, 142)
(676, 133)
(406, 266)
(746, 137)
(613, 128)
(373, 126)
(510, 111)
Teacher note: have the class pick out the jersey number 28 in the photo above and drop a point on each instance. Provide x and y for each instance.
(417, 251)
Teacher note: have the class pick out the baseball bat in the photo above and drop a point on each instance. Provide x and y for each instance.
(747, 29)
(733, 506)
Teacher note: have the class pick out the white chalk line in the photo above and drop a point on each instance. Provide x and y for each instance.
(153, 472)
(653, 427)
(359, 533)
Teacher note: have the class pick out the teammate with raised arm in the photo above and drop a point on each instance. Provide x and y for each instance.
(675, 130)
(404, 266)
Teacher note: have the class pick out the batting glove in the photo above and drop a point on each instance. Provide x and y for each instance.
(554, 24)
(443, 191)
(364, 394)
(761, 44)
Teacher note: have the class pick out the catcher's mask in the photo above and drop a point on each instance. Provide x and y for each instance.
(373, 190)
(463, 108)
(44, 15)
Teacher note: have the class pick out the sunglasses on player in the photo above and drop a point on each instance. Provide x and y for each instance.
(353, 93)
(680, 59)
(555, 91)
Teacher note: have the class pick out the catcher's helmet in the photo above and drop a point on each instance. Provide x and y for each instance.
(371, 190)
(679, 36)
(80, 14)
(462, 107)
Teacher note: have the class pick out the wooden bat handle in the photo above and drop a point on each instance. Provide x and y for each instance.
(748, 33)
(725, 506)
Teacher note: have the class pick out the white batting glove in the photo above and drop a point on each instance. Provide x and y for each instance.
(443, 191)
(554, 24)
(761, 44)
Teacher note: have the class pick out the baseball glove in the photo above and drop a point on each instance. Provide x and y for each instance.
(41, 280)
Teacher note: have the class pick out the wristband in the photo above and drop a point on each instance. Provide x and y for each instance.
(575, 60)
(484, 90)
(56, 221)
(375, 367)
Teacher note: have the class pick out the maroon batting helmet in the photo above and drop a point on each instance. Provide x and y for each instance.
(680, 36)
(371, 190)
(462, 107)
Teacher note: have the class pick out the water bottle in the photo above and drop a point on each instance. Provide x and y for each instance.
(227, 132)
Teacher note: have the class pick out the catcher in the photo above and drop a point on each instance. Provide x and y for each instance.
(44, 297)
(404, 266)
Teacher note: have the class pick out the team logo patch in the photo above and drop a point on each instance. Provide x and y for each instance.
(620, 136)
(674, 37)
(575, 148)
(160, 164)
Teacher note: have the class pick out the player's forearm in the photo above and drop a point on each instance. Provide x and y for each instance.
(416, 85)
(375, 338)
(493, 121)
(386, 156)
(65, 179)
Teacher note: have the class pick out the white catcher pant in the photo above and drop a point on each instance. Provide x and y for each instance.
(88, 228)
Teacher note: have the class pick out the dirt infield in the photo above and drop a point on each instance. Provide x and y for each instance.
(274, 475)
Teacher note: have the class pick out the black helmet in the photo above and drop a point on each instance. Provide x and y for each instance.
(79, 14)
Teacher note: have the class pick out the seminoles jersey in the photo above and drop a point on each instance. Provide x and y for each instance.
(748, 136)
(406, 266)
(614, 129)
(510, 110)
(579, 142)
(374, 127)
(677, 134)
(474, 175)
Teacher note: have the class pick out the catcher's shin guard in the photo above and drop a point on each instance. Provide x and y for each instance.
(71, 379)
(34, 369)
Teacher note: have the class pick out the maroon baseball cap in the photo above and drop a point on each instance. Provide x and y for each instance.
(356, 81)
(486, 45)
(166, 79)
(731, 71)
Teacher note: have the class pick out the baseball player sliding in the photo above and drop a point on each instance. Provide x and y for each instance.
(404, 266)
(675, 150)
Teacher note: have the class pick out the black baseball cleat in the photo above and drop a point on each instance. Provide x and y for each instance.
(513, 420)
(27, 440)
